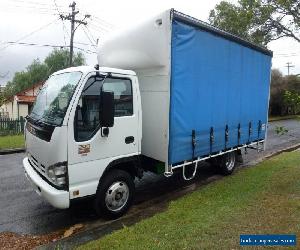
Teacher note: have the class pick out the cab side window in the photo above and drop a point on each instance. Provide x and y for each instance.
(86, 122)
(87, 110)
(122, 90)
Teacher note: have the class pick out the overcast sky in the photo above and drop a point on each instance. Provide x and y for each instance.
(20, 18)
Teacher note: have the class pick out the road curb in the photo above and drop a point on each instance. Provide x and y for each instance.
(11, 151)
(295, 117)
(287, 149)
(272, 154)
(98, 232)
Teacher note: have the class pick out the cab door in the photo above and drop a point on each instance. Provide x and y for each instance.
(89, 151)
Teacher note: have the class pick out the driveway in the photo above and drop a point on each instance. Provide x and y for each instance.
(24, 212)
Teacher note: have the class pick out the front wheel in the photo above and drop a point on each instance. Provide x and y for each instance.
(115, 194)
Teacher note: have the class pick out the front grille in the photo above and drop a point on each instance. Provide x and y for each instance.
(41, 170)
(36, 165)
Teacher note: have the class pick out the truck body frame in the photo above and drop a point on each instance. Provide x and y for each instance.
(208, 89)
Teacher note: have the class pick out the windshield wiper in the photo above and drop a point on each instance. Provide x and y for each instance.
(40, 123)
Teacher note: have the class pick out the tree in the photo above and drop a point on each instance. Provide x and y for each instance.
(34, 73)
(37, 71)
(278, 86)
(292, 99)
(283, 93)
(259, 21)
(293, 83)
(59, 59)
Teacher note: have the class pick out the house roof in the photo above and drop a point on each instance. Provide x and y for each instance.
(30, 88)
(25, 99)
(21, 97)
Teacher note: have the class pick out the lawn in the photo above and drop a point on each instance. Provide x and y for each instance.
(264, 199)
(11, 141)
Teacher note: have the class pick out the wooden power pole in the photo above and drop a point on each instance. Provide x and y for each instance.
(289, 65)
(72, 18)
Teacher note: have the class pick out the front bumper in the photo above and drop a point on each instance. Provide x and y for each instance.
(57, 198)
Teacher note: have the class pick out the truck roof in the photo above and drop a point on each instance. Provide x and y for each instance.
(214, 30)
(87, 69)
(147, 45)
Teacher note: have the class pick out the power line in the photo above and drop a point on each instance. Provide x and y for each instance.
(98, 30)
(283, 56)
(64, 26)
(36, 9)
(85, 50)
(32, 12)
(28, 6)
(31, 33)
(30, 2)
(103, 22)
(48, 45)
(96, 18)
(35, 44)
(86, 44)
(89, 36)
(100, 26)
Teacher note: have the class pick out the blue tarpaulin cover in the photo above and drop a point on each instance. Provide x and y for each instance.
(215, 82)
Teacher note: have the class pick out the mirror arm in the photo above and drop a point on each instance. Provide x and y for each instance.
(104, 132)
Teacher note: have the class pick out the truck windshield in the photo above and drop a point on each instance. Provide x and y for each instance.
(53, 99)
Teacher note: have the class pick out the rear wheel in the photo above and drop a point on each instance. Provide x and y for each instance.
(115, 194)
(227, 163)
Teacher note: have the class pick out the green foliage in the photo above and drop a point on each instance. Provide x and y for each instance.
(59, 59)
(292, 99)
(279, 101)
(33, 74)
(281, 130)
(259, 21)
(37, 71)
(233, 19)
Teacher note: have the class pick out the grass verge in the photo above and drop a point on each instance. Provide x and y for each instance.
(12, 141)
(259, 200)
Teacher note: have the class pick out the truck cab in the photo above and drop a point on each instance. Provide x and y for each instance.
(85, 127)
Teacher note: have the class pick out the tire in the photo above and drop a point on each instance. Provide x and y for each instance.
(115, 194)
(227, 163)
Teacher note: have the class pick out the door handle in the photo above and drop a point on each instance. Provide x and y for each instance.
(129, 139)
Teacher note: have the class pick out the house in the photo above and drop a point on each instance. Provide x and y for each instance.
(20, 104)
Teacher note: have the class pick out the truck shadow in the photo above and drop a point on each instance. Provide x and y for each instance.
(152, 190)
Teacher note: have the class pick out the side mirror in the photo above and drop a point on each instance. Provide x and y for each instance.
(107, 109)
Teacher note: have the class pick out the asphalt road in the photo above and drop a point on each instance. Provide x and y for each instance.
(23, 211)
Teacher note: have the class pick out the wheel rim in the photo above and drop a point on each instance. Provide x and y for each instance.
(230, 161)
(116, 196)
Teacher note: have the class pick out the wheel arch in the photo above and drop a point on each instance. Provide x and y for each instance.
(130, 164)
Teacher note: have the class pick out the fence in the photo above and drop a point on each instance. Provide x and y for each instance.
(11, 126)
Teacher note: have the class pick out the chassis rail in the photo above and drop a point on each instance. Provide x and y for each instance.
(257, 145)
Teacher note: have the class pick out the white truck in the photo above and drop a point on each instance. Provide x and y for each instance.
(190, 93)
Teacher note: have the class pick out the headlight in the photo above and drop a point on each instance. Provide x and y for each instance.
(57, 173)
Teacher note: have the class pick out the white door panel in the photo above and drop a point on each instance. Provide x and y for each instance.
(111, 146)
(88, 159)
